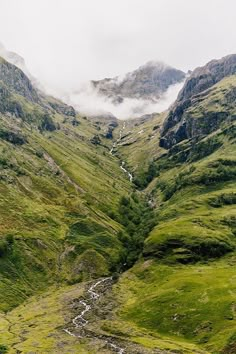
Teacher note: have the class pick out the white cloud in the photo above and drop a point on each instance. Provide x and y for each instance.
(88, 101)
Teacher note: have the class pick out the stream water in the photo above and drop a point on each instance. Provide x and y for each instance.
(126, 171)
(122, 166)
(79, 322)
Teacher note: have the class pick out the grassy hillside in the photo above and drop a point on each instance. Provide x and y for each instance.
(176, 305)
(53, 206)
(38, 324)
(69, 214)
(139, 143)
(184, 287)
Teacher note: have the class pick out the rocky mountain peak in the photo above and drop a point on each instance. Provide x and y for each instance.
(177, 124)
(205, 76)
(149, 81)
(16, 80)
(19, 61)
(14, 59)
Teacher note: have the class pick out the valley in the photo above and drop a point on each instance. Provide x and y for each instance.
(118, 236)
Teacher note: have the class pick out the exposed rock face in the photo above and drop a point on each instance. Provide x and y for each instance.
(62, 108)
(181, 123)
(96, 140)
(14, 59)
(14, 83)
(149, 81)
(105, 123)
(18, 61)
(206, 76)
(17, 81)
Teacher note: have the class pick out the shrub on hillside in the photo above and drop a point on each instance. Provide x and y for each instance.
(223, 199)
(138, 220)
(220, 174)
(6, 244)
(192, 250)
(3, 248)
(217, 172)
(12, 137)
(47, 123)
(3, 349)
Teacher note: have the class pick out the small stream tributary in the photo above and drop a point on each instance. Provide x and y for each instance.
(122, 166)
(79, 322)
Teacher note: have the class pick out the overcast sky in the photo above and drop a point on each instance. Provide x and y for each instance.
(65, 42)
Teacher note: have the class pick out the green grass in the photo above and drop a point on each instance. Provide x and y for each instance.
(68, 214)
(47, 185)
(38, 324)
(194, 303)
(140, 142)
(184, 288)
(188, 218)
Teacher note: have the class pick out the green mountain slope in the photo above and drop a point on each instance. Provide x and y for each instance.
(69, 214)
(53, 205)
(184, 285)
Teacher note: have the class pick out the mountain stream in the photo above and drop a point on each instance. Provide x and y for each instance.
(79, 322)
(122, 166)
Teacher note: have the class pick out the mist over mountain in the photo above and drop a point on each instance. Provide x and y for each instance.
(150, 88)
(149, 81)
(14, 58)
(109, 226)
(103, 219)
(153, 87)
(117, 177)
(19, 61)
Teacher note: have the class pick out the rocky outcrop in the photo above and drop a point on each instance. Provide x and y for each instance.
(206, 76)
(18, 61)
(62, 108)
(96, 140)
(181, 122)
(14, 137)
(8, 103)
(105, 123)
(16, 81)
(149, 81)
(33, 106)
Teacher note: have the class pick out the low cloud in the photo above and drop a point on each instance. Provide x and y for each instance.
(88, 101)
